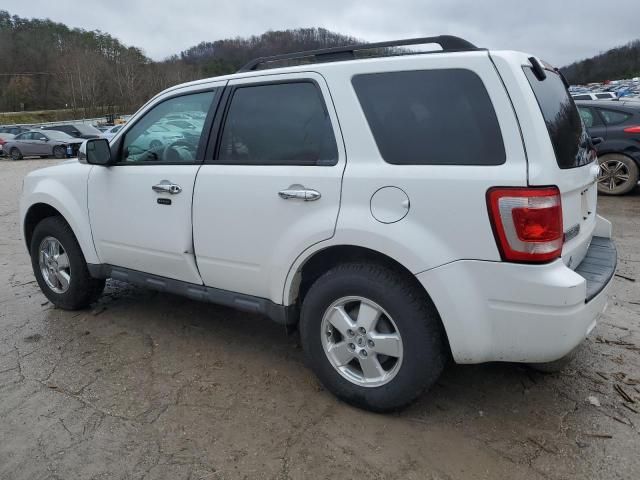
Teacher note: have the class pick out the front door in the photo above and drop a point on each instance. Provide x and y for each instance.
(272, 189)
(140, 208)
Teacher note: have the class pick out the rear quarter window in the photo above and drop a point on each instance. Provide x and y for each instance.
(431, 117)
(566, 132)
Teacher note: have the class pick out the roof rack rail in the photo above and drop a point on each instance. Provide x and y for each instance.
(449, 43)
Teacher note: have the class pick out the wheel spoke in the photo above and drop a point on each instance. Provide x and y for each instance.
(367, 316)
(605, 167)
(341, 320)
(386, 344)
(622, 177)
(371, 367)
(63, 279)
(617, 167)
(340, 353)
(63, 260)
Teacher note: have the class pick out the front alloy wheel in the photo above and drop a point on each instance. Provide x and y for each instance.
(361, 341)
(54, 265)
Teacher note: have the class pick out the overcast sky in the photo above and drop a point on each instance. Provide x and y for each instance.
(559, 31)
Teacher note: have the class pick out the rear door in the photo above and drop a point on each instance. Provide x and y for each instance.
(272, 188)
(26, 143)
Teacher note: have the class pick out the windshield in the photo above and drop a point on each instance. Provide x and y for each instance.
(56, 135)
(566, 130)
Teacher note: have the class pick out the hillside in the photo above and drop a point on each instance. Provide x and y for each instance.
(620, 62)
(47, 65)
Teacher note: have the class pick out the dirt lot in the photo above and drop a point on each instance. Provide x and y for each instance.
(151, 385)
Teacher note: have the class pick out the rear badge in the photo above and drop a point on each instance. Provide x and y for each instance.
(572, 232)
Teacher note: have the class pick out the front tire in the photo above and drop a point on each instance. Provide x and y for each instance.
(373, 338)
(618, 174)
(60, 268)
(59, 152)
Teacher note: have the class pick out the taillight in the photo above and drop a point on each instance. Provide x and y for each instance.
(634, 129)
(527, 223)
(2, 142)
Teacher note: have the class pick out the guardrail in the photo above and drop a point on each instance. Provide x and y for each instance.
(61, 122)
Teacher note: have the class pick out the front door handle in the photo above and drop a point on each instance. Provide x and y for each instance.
(300, 192)
(165, 186)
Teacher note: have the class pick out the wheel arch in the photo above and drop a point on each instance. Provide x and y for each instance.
(44, 206)
(320, 261)
(35, 214)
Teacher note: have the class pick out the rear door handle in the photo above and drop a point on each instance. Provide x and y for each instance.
(299, 192)
(165, 186)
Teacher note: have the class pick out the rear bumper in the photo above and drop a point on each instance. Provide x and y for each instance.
(496, 311)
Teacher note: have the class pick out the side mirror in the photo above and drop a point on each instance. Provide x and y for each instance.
(95, 151)
(597, 140)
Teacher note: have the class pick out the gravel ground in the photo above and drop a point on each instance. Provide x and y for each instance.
(149, 385)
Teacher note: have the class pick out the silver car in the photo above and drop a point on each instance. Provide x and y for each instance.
(41, 143)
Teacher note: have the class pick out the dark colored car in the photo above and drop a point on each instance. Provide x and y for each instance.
(618, 124)
(43, 144)
(77, 130)
(13, 130)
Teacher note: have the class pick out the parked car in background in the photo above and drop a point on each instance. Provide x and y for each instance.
(13, 130)
(4, 137)
(594, 96)
(111, 131)
(41, 143)
(77, 130)
(618, 124)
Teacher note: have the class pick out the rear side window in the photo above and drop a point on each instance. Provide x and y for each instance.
(278, 124)
(565, 127)
(603, 95)
(431, 117)
(613, 117)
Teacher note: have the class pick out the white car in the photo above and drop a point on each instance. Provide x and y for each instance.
(594, 96)
(109, 133)
(399, 210)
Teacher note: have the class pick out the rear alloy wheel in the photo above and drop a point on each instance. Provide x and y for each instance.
(59, 151)
(618, 174)
(15, 154)
(372, 336)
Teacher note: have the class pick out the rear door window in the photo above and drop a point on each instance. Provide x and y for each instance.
(278, 124)
(582, 97)
(602, 96)
(613, 117)
(431, 117)
(565, 127)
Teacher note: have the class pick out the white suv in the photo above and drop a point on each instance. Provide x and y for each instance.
(399, 209)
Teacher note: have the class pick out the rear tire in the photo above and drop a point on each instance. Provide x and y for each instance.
(15, 154)
(59, 152)
(77, 289)
(406, 326)
(618, 174)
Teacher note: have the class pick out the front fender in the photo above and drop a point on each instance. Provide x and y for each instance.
(69, 197)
